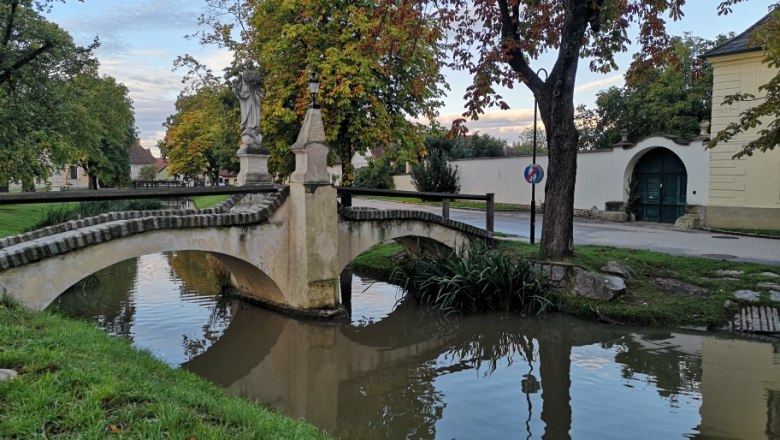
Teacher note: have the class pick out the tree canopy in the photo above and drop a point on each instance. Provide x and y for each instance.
(497, 41)
(378, 64)
(203, 135)
(766, 113)
(670, 99)
(54, 108)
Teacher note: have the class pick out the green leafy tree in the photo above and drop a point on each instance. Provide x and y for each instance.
(37, 62)
(378, 65)
(497, 40)
(435, 174)
(485, 145)
(102, 129)
(764, 112)
(525, 143)
(203, 135)
(671, 99)
(147, 172)
(376, 174)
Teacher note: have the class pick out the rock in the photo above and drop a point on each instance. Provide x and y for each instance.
(770, 274)
(729, 273)
(729, 304)
(6, 374)
(774, 295)
(746, 295)
(772, 286)
(688, 221)
(615, 268)
(596, 286)
(670, 285)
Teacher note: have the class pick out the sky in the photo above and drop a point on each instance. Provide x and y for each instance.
(141, 38)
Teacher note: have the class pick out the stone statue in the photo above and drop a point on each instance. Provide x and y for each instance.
(247, 89)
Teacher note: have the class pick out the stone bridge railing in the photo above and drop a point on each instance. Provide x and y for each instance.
(346, 194)
(56, 240)
(372, 214)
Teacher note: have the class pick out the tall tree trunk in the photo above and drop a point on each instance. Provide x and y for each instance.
(93, 185)
(556, 106)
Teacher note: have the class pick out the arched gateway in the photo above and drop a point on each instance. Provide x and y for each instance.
(659, 184)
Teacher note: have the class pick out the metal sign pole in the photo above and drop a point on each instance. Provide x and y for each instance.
(533, 185)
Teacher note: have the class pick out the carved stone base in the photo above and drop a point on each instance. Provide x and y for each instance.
(254, 169)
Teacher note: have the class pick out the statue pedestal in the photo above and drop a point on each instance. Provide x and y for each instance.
(254, 169)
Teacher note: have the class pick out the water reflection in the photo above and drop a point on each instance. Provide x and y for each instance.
(396, 371)
(169, 303)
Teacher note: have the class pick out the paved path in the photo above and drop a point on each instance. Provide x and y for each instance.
(637, 235)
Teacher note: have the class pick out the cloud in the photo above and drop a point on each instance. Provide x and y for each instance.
(504, 124)
(599, 83)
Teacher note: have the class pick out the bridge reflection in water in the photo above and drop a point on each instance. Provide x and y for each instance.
(399, 372)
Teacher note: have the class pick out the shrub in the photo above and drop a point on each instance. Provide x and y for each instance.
(435, 174)
(147, 172)
(375, 175)
(485, 145)
(479, 279)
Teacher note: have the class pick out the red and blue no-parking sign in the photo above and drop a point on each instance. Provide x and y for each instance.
(533, 173)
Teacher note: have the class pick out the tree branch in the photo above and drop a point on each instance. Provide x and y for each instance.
(515, 57)
(9, 28)
(5, 75)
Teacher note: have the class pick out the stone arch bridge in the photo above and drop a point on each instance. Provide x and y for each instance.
(284, 245)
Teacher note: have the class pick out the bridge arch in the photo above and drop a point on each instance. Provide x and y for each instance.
(256, 269)
(420, 233)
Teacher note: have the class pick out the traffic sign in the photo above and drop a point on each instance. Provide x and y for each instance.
(533, 173)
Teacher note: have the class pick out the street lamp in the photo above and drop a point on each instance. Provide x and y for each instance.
(314, 88)
(533, 185)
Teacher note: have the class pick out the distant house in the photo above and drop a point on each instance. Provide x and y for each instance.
(162, 169)
(71, 177)
(743, 193)
(139, 158)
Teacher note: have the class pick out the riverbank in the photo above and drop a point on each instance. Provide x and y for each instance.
(661, 290)
(75, 381)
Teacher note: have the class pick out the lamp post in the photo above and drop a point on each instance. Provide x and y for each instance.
(314, 88)
(533, 185)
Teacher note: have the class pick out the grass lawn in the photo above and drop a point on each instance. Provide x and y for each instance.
(205, 202)
(646, 301)
(767, 232)
(75, 381)
(16, 219)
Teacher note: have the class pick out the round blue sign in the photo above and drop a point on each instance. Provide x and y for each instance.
(533, 173)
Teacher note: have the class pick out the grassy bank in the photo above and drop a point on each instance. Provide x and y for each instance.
(205, 202)
(77, 382)
(649, 298)
(16, 219)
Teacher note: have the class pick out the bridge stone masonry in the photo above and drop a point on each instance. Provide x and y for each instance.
(285, 246)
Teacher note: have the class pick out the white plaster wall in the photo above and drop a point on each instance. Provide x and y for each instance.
(602, 176)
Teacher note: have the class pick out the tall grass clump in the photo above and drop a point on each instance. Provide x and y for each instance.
(478, 279)
(63, 213)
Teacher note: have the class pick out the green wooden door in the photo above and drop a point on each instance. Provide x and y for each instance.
(661, 186)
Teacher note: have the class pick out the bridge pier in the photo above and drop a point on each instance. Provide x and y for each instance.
(314, 266)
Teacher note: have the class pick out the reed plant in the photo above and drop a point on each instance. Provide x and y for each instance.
(477, 279)
(65, 212)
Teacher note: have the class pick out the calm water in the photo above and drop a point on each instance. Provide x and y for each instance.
(397, 372)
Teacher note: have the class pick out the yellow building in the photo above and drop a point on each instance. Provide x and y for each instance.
(743, 193)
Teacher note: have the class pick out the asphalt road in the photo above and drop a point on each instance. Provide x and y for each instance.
(636, 235)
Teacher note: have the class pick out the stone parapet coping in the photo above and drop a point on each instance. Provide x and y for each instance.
(370, 214)
(77, 234)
